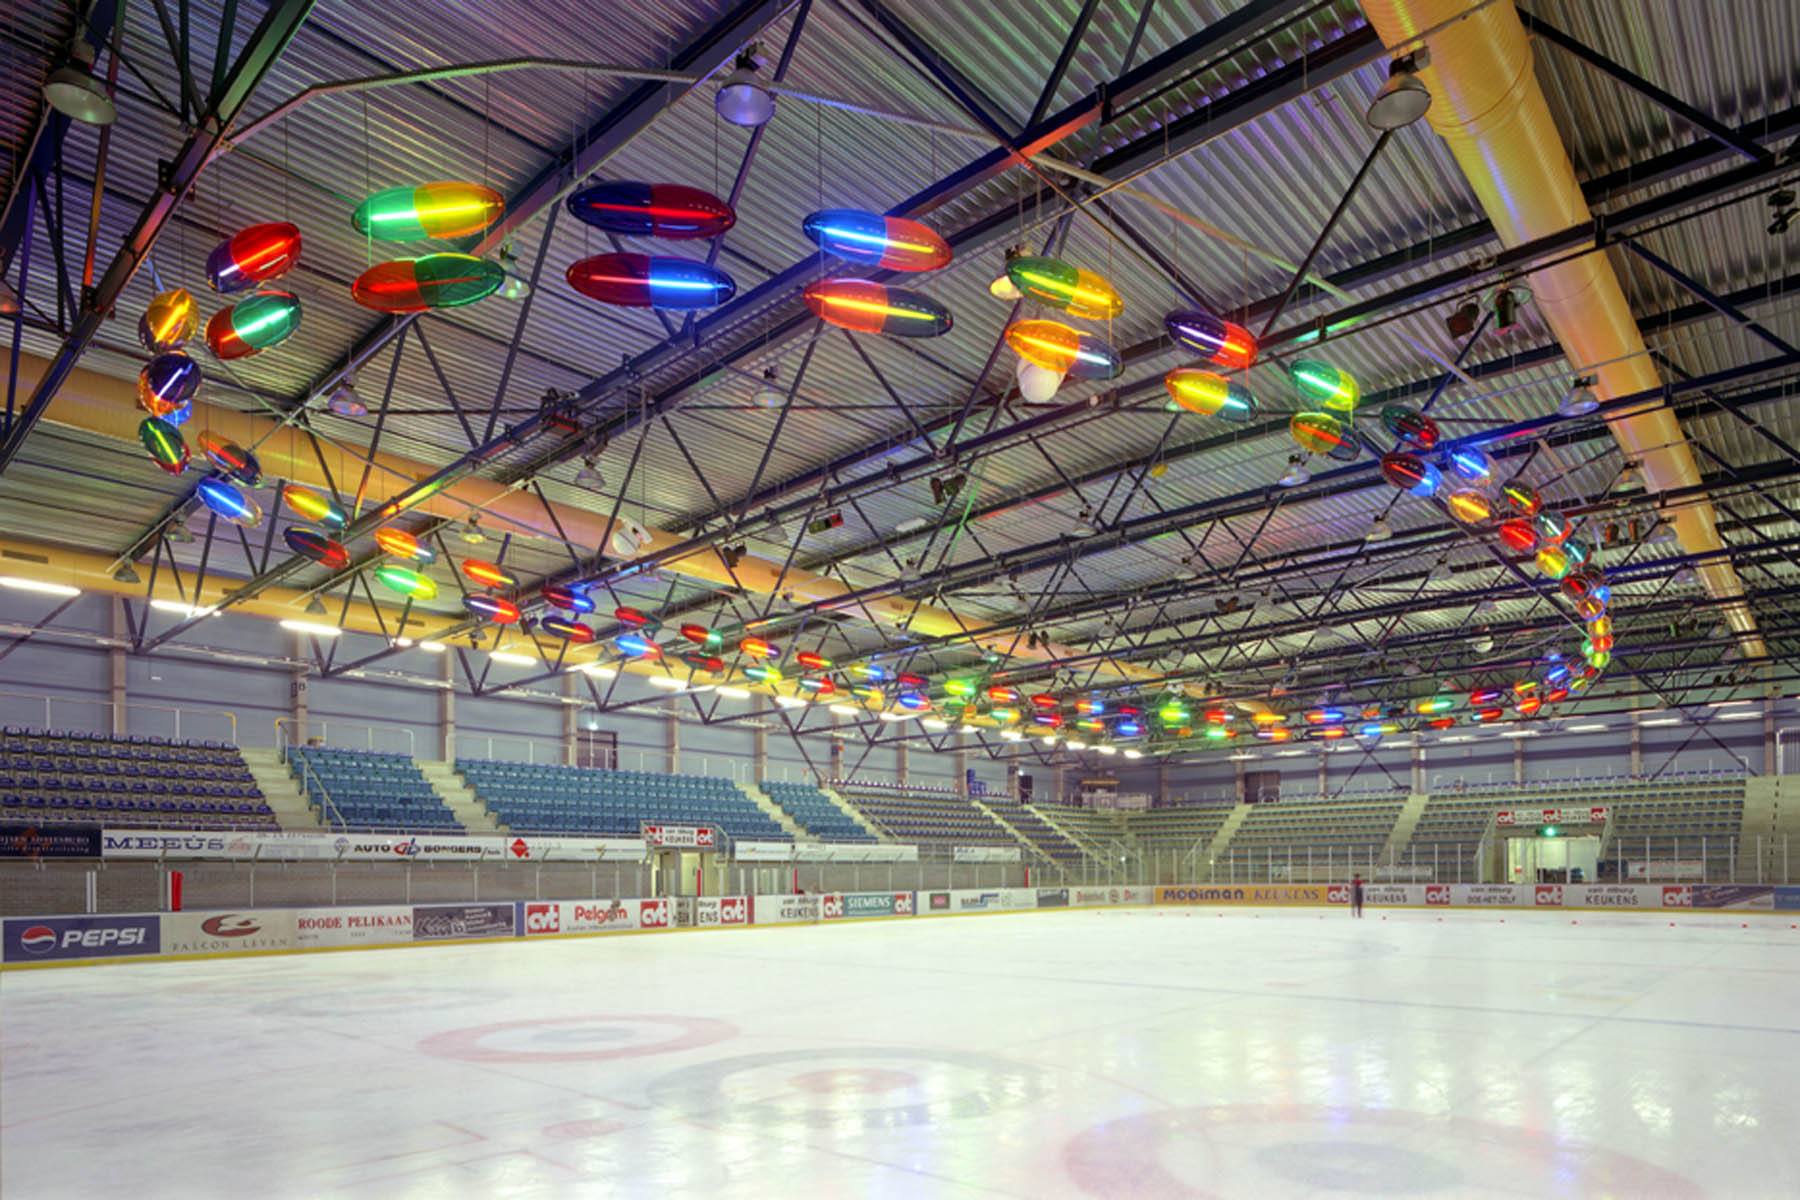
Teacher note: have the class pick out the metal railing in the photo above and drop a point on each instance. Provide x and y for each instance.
(319, 736)
(203, 724)
(328, 811)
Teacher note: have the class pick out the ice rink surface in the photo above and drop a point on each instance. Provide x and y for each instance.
(1126, 1053)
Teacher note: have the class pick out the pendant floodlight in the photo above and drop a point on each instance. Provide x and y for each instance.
(1402, 100)
(74, 91)
(345, 402)
(1580, 400)
(769, 393)
(589, 476)
(742, 98)
(1297, 473)
(514, 286)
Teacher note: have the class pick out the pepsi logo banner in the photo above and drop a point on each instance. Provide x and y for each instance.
(52, 939)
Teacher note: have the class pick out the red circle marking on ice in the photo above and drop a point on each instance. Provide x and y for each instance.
(591, 1128)
(865, 1080)
(468, 1044)
(1120, 1158)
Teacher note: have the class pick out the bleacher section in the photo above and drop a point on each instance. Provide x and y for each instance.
(529, 797)
(814, 811)
(1180, 827)
(1327, 830)
(1034, 829)
(923, 816)
(370, 791)
(58, 775)
(1098, 827)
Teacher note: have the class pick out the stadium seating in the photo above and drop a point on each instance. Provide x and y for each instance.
(923, 816)
(1311, 831)
(1184, 827)
(1092, 828)
(137, 781)
(369, 791)
(815, 812)
(529, 797)
(1034, 829)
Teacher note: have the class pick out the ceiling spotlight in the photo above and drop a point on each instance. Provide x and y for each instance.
(345, 402)
(1379, 529)
(1506, 306)
(911, 525)
(769, 395)
(1782, 211)
(742, 98)
(515, 286)
(1440, 572)
(1684, 574)
(1084, 523)
(589, 476)
(73, 90)
(1402, 99)
(946, 488)
(1003, 287)
(315, 606)
(776, 531)
(1297, 473)
(178, 532)
(472, 534)
(1037, 384)
(126, 574)
(1580, 400)
(1629, 476)
(731, 556)
(1461, 323)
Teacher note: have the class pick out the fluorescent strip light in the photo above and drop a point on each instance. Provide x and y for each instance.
(1715, 704)
(846, 710)
(183, 609)
(1107, 749)
(1134, 754)
(1738, 717)
(430, 647)
(593, 670)
(935, 724)
(901, 716)
(1072, 744)
(1289, 753)
(1049, 739)
(790, 702)
(1660, 721)
(1242, 757)
(1586, 729)
(511, 659)
(1013, 735)
(667, 683)
(1518, 733)
(18, 584)
(734, 693)
(311, 628)
(1459, 737)
(402, 643)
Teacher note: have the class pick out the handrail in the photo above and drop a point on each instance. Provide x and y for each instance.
(286, 728)
(113, 707)
(327, 806)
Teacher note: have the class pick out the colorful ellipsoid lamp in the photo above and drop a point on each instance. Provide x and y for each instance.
(1411, 426)
(446, 209)
(756, 647)
(487, 574)
(1471, 465)
(712, 664)
(230, 458)
(762, 673)
(310, 506)
(253, 325)
(179, 416)
(635, 618)
(406, 582)
(1057, 347)
(497, 609)
(893, 243)
(700, 635)
(1322, 384)
(1590, 606)
(1518, 535)
(164, 443)
(1552, 561)
(1218, 341)
(864, 307)
(167, 382)
(1210, 394)
(310, 543)
(1553, 528)
(651, 281)
(1323, 433)
(402, 544)
(1058, 284)
(630, 208)
(169, 320)
(1522, 498)
(407, 285)
(228, 503)
(636, 646)
(566, 629)
(813, 661)
(1410, 473)
(252, 257)
(558, 596)
(1469, 506)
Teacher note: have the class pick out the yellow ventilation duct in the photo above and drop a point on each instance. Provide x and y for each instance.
(1489, 109)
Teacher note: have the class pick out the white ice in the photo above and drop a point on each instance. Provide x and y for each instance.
(1125, 1053)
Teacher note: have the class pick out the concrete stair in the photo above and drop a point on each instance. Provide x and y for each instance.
(1085, 844)
(1404, 824)
(776, 813)
(857, 815)
(282, 791)
(1227, 831)
(463, 803)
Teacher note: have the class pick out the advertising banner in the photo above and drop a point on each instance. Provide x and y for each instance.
(831, 906)
(371, 926)
(49, 841)
(722, 910)
(1245, 893)
(783, 910)
(222, 932)
(50, 939)
(1378, 894)
(821, 852)
(436, 922)
(1787, 898)
(985, 854)
(546, 849)
(1053, 897)
(1488, 895)
(682, 837)
(878, 904)
(265, 847)
(1733, 895)
(937, 901)
(992, 899)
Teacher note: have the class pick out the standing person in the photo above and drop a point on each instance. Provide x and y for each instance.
(1356, 895)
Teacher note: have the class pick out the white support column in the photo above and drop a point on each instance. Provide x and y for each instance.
(115, 661)
(836, 752)
(1418, 765)
(960, 761)
(1237, 773)
(1768, 724)
(1637, 748)
(571, 720)
(447, 707)
(297, 703)
(759, 737)
(672, 734)
(1324, 772)
(1519, 761)
(900, 760)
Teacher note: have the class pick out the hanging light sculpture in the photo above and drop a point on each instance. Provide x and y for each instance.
(406, 582)
(447, 209)
(1553, 528)
(864, 307)
(488, 574)
(1471, 465)
(1518, 535)
(876, 240)
(229, 503)
(566, 629)
(230, 458)
(1522, 498)
(1210, 394)
(169, 320)
(1058, 284)
(1218, 341)
(310, 506)
(756, 647)
(309, 543)
(711, 664)
(167, 382)
(253, 325)
(497, 609)
(1057, 347)
(1469, 506)
(1323, 384)
(1411, 427)
(164, 443)
(629, 208)
(1323, 433)
(646, 281)
(1410, 473)
(407, 285)
(252, 257)
(402, 544)
(558, 596)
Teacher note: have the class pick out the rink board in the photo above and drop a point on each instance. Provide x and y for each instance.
(136, 937)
